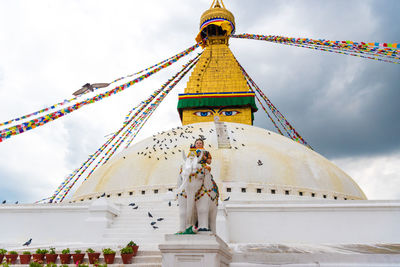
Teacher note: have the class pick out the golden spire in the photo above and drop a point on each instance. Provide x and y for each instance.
(217, 87)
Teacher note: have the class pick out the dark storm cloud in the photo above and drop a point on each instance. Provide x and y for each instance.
(343, 106)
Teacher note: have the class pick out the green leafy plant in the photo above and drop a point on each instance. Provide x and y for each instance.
(5, 264)
(97, 264)
(127, 250)
(52, 251)
(107, 251)
(35, 264)
(12, 252)
(90, 250)
(3, 251)
(41, 251)
(83, 265)
(131, 243)
(26, 253)
(51, 265)
(66, 251)
(78, 251)
(64, 265)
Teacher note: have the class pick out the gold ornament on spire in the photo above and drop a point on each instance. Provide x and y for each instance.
(219, 16)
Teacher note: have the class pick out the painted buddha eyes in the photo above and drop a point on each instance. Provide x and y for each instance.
(229, 113)
(210, 113)
(203, 113)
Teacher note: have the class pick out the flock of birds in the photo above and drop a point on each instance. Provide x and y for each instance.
(166, 144)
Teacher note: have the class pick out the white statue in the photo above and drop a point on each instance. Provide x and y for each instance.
(197, 192)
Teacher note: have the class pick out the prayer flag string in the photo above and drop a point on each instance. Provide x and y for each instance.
(291, 132)
(131, 121)
(32, 124)
(386, 52)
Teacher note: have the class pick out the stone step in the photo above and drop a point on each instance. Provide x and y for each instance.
(136, 236)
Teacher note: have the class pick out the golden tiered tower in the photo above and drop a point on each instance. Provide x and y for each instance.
(217, 87)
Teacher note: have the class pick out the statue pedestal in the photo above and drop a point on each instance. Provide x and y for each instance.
(200, 250)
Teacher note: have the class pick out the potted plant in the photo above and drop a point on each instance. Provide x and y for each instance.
(25, 257)
(12, 257)
(134, 247)
(109, 255)
(93, 256)
(78, 256)
(127, 255)
(51, 256)
(35, 264)
(39, 255)
(2, 253)
(65, 256)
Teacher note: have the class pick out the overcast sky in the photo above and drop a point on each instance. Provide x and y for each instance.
(345, 107)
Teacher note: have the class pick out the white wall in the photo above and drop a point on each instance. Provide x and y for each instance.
(314, 222)
(55, 223)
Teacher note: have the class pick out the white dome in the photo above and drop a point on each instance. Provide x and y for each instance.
(258, 161)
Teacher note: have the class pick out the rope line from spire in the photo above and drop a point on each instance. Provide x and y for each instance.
(291, 132)
(385, 52)
(113, 143)
(39, 121)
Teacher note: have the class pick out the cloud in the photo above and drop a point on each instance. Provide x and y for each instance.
(345, 107)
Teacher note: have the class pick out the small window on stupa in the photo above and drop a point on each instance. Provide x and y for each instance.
(287, 192)
(324, 196)
(119, 194)
(243, 190)
(155, 191)
(143, 192)
(228, 189)
(313, 194)
(259, 190)
(300, 193)
(335, 197)
(170, 189)
(131, 193)
(273, 191)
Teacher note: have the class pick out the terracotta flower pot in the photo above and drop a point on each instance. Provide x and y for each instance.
(135, 249)
(127, 258)
(93, 257)
(78, 258)
(109, 258)
(38, 258)
(51, 258)
(25, 259)
(65, 258)
(1, 257)
(11, 258)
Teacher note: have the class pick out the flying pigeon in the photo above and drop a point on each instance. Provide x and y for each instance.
(4, 202)
(27, 243)
(103, 195)
(227, 199)
(259, 162)
(169, 203)
(148, 213)
(153, 223)
(135, 208)
(160, 219)
(155, 227)
(16, 202)
(131, 204)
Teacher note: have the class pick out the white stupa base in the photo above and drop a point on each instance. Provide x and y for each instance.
(201, 250)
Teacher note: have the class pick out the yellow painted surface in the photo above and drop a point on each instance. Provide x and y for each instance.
(239, 115)
(217, 71)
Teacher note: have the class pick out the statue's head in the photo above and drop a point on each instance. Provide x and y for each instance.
(199, 143)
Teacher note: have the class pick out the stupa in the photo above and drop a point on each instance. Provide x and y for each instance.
(284, 203)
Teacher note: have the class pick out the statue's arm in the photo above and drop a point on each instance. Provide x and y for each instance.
(209, 158)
